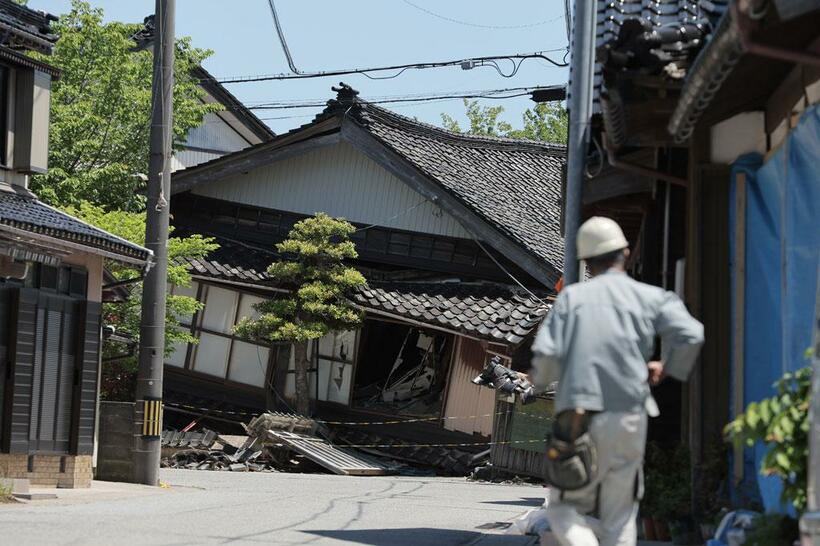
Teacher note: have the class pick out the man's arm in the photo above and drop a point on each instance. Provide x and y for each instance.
(547, 349)
(681, 337)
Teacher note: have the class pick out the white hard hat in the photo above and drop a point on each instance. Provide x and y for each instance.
(598, 236)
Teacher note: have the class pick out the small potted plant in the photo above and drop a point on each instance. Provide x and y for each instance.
(676, 494)
(773, 530)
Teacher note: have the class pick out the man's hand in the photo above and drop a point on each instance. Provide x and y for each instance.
(656, 374)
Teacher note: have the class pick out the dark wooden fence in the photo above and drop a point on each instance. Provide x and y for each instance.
(526, 427)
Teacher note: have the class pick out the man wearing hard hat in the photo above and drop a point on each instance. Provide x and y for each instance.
(597, 342)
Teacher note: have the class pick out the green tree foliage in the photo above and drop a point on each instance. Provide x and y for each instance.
(547, 122)
(101, 109)
(317, 281)
(125, 317)
(782, 423)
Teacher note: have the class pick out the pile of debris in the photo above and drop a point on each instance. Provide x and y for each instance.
(207, 450)
(275, 442)
(450, 461)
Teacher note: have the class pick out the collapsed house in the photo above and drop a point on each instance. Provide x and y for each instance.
(458, 236)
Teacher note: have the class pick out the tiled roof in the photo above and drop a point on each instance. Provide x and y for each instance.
(490, 311)
(232, 261)
(28, 214)
(23, 27)
(484, 310)
(648, 35)
(514, 185)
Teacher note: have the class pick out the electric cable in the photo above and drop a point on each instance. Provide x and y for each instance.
(476, 25)
(433, 98)
(568, 21)
(384, 222)
(467, 63)
(510, 275)
(408, 97)
(282, 40)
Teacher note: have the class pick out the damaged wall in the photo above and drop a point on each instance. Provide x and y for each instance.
(463, 397)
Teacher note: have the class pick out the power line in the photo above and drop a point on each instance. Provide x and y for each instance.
(498, 94)
(282, 40)
(476, 25)
(423, 95)
(466, 64)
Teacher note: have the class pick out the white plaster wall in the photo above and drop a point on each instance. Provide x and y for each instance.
(741, 134)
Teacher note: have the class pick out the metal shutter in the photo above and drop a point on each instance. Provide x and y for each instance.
(85, 390)
(65, 377)
(5, 366)
(19, 387)
(54, 368)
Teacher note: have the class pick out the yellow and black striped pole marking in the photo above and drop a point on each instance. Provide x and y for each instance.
(152, 417)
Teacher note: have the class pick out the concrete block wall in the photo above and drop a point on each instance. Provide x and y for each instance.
(116, 442)
(68, 471)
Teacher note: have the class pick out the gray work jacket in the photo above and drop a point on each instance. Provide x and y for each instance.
(599, 335)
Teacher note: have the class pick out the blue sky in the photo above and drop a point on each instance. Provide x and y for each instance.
(324, 35)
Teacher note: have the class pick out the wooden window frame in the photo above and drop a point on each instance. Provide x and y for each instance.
(195, 328)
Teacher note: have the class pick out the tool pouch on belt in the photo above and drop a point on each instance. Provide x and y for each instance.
(572, 460)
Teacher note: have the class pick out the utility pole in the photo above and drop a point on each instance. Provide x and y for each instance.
(582, 73)
(148, 409)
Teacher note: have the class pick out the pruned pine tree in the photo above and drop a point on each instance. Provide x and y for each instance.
(318, 280)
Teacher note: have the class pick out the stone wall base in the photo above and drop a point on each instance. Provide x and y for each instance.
(68, 471)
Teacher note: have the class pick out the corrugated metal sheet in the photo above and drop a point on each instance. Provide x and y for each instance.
(342, 182)
(215, 134)
(188, 158)
(464, 399)
(336, 459)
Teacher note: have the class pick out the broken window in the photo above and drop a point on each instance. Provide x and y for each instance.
(330, 376)
(401, 369)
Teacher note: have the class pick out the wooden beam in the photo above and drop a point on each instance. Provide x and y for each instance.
(615, 184)
(738, 328)
(782, 101)
(432, 190)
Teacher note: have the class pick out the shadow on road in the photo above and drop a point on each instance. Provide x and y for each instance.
(418, 536)
(533, 502)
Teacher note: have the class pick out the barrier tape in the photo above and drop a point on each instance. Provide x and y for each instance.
(360, 423)
(402, 446)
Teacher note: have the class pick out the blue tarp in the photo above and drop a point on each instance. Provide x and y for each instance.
(782, 259)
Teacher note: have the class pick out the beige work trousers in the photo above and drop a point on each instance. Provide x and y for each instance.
(604, 513)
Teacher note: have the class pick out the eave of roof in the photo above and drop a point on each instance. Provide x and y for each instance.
(15, 58)
(24, 215)
(482, 310)
(725, 53)
(233, 104)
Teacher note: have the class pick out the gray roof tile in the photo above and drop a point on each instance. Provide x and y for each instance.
(29, 214)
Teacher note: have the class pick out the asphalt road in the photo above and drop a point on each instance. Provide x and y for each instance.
(203, 507)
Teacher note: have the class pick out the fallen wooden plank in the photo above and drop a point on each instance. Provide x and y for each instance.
(338, 460)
